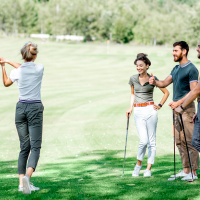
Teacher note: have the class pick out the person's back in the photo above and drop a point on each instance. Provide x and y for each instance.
(29, 112)
(29, 79)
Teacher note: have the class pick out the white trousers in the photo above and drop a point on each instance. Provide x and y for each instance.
(146, 122)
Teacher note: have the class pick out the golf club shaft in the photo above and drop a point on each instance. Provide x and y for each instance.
(126, 143)
(186, 144)
(174, 144)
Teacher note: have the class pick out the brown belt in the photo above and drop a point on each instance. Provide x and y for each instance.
(143, 104)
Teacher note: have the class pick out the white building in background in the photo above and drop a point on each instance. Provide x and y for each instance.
(70, 37)
(41, 36)
(58, 37)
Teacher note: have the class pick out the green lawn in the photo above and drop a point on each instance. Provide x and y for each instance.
(85, 93)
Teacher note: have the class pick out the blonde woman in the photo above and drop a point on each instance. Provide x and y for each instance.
(29, 112)
(145, 112)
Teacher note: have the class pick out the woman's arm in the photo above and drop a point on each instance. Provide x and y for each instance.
(132, 100)
(14, 64)
(166, 95)
(6, 81)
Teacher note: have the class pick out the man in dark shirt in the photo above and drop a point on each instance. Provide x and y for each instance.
(184, 78)
(196, 119)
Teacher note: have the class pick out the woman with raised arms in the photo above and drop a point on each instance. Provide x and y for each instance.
(145, 112)
(29, 112)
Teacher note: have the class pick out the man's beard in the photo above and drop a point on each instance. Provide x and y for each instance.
(180, 57)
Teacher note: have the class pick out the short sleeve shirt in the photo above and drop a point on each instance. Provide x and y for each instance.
(182, 76)
(143, 93)
(29, 79)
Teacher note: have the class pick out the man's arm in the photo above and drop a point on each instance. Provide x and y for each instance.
(160, 84)
(192, 95)
(175, 104)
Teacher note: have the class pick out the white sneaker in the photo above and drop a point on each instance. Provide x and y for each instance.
(136, 170)
(180, 174)
(33, 188)
(26, 185)
(189, 177)
(147, 173)
(20, 188)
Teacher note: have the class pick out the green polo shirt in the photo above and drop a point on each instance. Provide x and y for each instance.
(182, 76)
(143, 93)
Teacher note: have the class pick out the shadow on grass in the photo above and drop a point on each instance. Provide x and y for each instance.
(97, 176)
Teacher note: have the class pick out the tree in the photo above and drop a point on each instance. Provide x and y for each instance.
(146, 21)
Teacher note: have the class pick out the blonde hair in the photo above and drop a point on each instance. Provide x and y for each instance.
(28, 51)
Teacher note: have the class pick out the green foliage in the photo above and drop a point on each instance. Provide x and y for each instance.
(121, 31)
(29, 17)
(189, 2)
(144, 21)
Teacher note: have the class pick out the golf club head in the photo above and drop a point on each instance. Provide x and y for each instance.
(172, 179)
(122, 176)
(190, 180)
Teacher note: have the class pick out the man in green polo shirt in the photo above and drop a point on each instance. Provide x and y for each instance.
(184, 78)
(196, 118)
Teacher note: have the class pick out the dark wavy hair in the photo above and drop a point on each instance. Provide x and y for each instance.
(183, 45)
(143, 57)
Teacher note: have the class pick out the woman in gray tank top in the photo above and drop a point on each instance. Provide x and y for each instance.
(145, 112)
(29, 112)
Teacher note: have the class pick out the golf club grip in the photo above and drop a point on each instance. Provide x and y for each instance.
(127, 122)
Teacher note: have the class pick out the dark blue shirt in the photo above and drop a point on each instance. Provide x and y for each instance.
(182, 76)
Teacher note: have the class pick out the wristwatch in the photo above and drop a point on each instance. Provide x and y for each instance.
(160, 105)
(182, 107)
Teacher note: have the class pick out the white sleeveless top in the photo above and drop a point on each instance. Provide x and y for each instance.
(29, 79)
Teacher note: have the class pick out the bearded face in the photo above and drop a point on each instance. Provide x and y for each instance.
(178, 57)
(178, 54)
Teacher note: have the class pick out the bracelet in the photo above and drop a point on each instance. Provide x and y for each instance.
(160, 105)
(182, 107)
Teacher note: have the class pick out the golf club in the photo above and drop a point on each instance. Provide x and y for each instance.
(186, 146)
(173, 178)
(125, 144)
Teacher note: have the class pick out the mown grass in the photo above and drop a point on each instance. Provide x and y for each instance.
(85, 93)
(87, 177)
